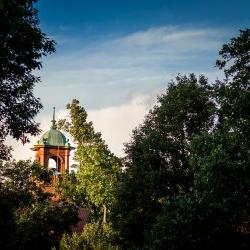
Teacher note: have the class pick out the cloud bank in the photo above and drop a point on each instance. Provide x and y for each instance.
(115, 123)
(117, 78)
(108, 71)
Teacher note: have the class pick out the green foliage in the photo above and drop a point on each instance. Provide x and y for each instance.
(41, 226)
(30, 220)
(72, 242)
(66, 187)
(22, 45)
(215, 214)
(177, 226)
(187, 180)
(221, 159)
(157, 156)
(17, 190)
(99, 168)
(233, 93)
(22, 181)
(95, 236)
(212, 215)
(94, 185)
(99, 234)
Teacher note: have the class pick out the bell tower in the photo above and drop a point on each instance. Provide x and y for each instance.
(53, 145)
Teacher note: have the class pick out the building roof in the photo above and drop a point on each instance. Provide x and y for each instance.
(53, 137)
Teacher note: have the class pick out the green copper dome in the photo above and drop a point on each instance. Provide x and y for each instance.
(53, 137)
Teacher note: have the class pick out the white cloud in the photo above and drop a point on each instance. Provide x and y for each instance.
(115, 123)
(172, 36)
(115, 78)
(103, 73)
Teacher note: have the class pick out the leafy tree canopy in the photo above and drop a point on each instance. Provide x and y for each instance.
(158, 154)
(233, 93)
(29, 219)
(22, 45)
(215, 214)
(99, 168)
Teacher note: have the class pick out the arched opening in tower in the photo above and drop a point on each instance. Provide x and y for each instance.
(55, 164)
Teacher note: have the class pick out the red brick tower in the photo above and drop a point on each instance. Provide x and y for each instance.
(53, 145)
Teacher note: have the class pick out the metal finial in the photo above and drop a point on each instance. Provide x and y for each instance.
(53, 121)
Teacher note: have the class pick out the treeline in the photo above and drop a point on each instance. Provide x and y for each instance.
(184, 182)
(187, 179)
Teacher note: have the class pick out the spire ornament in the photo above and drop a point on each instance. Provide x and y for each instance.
(53, 126)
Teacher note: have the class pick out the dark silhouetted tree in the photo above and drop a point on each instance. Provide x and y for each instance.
(157, 157)
(29, 219)
(215, 214)
(22, 45)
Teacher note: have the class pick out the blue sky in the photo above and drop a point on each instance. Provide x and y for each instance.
(117, 56)
(102, 17)
(81, 28)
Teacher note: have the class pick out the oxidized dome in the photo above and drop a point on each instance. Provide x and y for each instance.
(53, 137)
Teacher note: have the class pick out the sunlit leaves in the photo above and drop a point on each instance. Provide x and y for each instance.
(99, 168)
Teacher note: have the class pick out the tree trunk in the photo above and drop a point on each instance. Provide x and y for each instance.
(104, 214)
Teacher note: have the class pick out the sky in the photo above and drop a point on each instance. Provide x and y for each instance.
(115, 57)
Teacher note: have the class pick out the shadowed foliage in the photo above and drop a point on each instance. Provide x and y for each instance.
(157, 156)
(22, 45)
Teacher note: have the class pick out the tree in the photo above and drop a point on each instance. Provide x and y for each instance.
(215, 215)
(42, 225)
(224, 159)
(99, 169)
(233, 93)
(18, 186)
(22, 45)
(66, 187)
(93, 237)
(18, 191)
(157, 156)
(30, 220)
